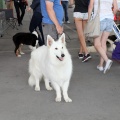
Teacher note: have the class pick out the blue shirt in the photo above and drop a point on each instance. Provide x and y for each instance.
(58, 11)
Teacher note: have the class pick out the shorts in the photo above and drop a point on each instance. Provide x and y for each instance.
(106, 25)
(80, 15)
(49, 29)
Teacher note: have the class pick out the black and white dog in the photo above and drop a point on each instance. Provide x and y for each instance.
(23, 38)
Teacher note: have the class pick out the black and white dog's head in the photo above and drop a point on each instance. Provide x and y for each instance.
(35, 33)
(32, 47)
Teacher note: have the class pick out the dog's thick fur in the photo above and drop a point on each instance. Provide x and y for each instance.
(54, 63)
(22, 38)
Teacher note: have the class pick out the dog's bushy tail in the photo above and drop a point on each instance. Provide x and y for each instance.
(31, 81)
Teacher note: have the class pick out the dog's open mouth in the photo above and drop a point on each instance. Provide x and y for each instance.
(60, 58)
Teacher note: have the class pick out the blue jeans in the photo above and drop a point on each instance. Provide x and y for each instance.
(65, 7)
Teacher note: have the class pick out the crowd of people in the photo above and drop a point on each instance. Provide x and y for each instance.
(49, 16)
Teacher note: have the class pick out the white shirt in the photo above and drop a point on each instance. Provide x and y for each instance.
(105, 9)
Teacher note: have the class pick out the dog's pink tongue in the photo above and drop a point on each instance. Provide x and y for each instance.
(61, 58)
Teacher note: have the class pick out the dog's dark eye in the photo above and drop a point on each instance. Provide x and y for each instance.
(62, 47)
(56, 48)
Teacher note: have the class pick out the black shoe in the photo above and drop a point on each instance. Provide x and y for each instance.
(80, 56)
(86, 57)
(20, 24)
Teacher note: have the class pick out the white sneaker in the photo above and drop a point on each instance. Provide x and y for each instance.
(107, 66)
(100, 68)
(68, 22)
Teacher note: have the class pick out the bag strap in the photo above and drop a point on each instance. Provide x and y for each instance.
(98, 10)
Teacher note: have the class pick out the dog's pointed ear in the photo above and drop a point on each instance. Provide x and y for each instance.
(50, 40)
(62, 38)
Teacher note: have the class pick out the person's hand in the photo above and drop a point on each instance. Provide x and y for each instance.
(59, 29)
(28, 9)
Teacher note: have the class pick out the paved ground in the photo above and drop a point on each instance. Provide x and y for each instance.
(95, 96)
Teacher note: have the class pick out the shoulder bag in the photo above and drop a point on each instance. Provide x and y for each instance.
(92, 28)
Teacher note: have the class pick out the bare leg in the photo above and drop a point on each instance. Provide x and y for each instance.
(100, 45)
(103, 45)
(80, 30)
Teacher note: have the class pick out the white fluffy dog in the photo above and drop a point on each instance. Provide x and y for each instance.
(53, 62)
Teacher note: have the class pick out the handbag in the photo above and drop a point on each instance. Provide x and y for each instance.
(92, 28)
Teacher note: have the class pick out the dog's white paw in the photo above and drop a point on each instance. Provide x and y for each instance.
(58, 99)
(22, 53)
(68, 100)
(49, 88)
(18, 55)
(37, 88)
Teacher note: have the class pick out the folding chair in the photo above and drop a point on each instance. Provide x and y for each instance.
(3, 25)
(10, 20)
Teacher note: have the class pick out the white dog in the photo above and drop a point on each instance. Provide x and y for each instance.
(54, 63)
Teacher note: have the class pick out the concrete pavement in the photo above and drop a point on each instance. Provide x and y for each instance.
(96, 96)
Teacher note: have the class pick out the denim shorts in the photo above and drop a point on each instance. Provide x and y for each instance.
(80, 15)
(106, 25)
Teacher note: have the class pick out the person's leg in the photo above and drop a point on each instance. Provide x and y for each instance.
(83, 53)
(100, 45)
(33, 23)
(106, 26)
(22, 8)
(41, 31)
(40, 28)
(71, 2)
(103, 45)
(49, 29)
(63, 4)
(78, 23)
(8, 5)
(99, 48)
(11, 4)
(17, 11)
(79, 26)
(66, 11)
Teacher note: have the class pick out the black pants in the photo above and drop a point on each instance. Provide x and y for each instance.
(20, 14)
(65, 8)
(35, 22)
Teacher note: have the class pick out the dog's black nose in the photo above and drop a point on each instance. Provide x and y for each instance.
(62, 55)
